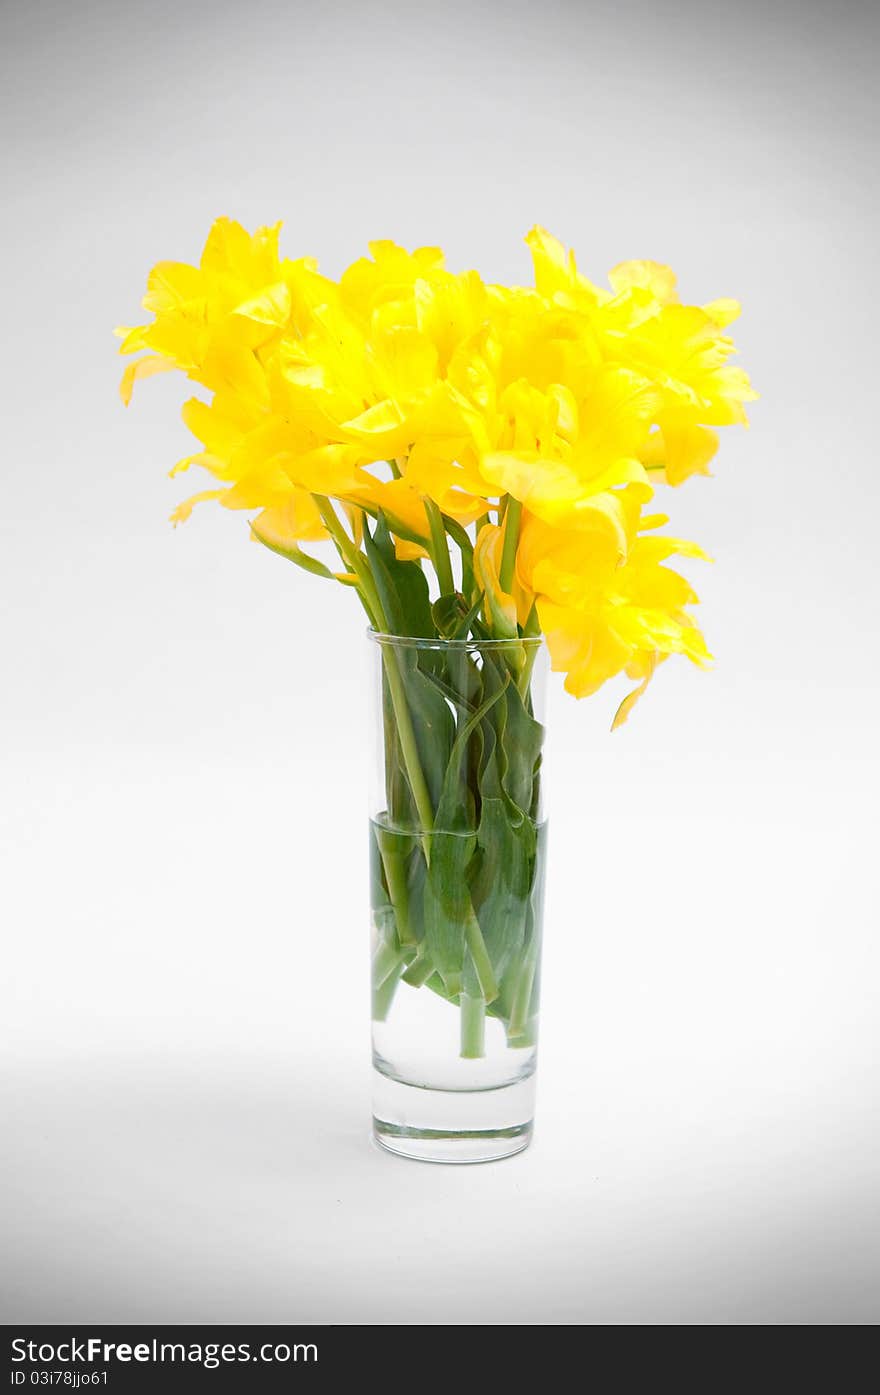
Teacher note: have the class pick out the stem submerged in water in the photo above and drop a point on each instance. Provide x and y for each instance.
(480, 956)
(473, 1027)
(409, 748)
(518, 1028)
(383, 993)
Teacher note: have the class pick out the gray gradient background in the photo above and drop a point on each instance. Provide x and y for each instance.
(184, 1036)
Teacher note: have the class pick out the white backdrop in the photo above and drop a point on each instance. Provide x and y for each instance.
(183, 897)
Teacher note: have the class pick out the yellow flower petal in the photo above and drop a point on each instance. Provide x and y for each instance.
(269, 307)
(294, 520)
(142, 368)
(681, 448)
(654, 277)
(553, 492)
(629, 702)
(183, 511)
(723, 312)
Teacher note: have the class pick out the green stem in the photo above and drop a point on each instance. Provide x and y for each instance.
(451, 986)
(511, 538)
(373, 606)
(522, 993)
(383, 994)
(395, 880)
(421, 968)
(528, 1036)
(480, 956)
(440, 549)
(385, 960)
(408, 747)
(355, 559)
(473, 1027)
(531, 629)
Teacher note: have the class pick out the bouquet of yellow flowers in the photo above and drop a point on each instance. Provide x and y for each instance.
(484, 460)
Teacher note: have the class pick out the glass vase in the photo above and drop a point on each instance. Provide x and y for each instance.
(457, 855)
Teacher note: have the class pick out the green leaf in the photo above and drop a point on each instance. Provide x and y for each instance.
(458, 534)
(461, 539)
(504, 865)
(452, 616)
(395, 850)
(461, 701)
(295, 554)
(524, 741)
(449, 917)
(520, 737)
(446, 612)
(450, 812)
(398, 795)
(403, 592)
(463, 628)
(402, 586)
(447, 904)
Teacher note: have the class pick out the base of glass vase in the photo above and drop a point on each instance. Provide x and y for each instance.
(452, 1126)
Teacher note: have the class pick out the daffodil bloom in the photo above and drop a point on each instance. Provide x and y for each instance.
(615, 615)
(510, 438)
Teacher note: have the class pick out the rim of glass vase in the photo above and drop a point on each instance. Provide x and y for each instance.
(438, 642)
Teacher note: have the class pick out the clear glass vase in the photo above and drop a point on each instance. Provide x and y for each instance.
(457, 854)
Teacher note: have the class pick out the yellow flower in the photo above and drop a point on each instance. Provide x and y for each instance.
(294, 518)
(549, 413)
(679, 348)
(235, 296)
(601, 615)
(556, 273)
(369, 287)
(683, 351)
